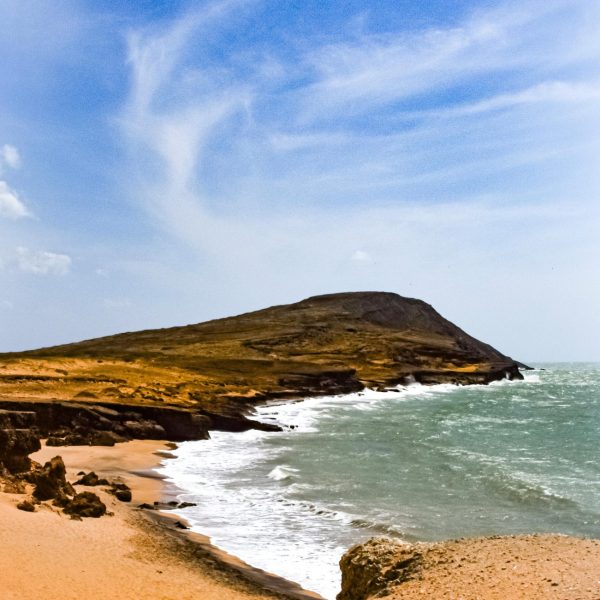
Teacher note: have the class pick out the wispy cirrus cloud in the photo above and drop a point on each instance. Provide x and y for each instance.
(42, 262)
(432, 146)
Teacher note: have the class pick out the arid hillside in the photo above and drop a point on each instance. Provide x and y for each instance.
(325, 344)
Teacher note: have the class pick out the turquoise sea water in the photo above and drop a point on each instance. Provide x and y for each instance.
(420, 463)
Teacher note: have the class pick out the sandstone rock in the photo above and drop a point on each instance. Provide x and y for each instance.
(12, 485)
(86, 504)
(369, 568)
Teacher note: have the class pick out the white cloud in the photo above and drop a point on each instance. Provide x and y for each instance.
(10, 155)
(360, 145)
(172, 113)
(558, 92)
(42, 263)
(10, 205)
(6, 305)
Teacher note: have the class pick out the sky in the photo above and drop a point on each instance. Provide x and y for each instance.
(165, 163)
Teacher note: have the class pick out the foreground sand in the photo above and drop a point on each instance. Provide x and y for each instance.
(532, 567)
(130, 555)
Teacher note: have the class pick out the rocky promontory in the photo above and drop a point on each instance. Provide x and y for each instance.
(179, 383)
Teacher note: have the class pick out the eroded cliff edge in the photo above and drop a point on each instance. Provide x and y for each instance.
(535, 567)
(180, 382)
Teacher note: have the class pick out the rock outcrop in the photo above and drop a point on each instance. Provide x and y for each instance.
(370, 569)
(536, 567)
(78, 424)
(85, 504)
(18, 439)
(50, 482)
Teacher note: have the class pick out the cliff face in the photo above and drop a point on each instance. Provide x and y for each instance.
(329, 344)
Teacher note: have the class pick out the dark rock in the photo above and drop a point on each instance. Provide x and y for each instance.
(15, 446)
(91, 479)
(120, 490)
(144, 429)
(123, 495)
(72, 439)
(17, 419)
(117, 485)
(85, 504)
(186, 504)
(75, 424)
(50, 482)
(26, 505)
(146, 506)
(104, 438)
(180, 525)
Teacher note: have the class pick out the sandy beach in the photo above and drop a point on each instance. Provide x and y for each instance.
(132, 554)
(135, 554)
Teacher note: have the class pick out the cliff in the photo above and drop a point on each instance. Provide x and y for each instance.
(220, 369)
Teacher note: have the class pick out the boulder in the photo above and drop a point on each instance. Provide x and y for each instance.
(86, 504)
(91, 479)
(121, 491)
(50, 482)
(26, 505)
(369, 568)
(123, 495)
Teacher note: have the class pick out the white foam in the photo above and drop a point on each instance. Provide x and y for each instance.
(282, 472)
(245, 491)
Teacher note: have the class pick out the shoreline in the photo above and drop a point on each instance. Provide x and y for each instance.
(97, 548)
(144, 553)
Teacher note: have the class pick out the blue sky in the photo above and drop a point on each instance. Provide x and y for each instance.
(164, 163)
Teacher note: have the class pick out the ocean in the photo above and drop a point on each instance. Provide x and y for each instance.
(420, 463)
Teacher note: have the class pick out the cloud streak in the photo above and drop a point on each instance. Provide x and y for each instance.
(42, 262)
(431, 147)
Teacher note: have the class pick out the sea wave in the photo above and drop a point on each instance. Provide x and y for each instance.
(282, 473)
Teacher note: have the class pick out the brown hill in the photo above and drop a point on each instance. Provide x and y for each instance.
(325, 344)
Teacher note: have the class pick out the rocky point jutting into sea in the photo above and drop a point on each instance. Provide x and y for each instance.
(180, 383)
